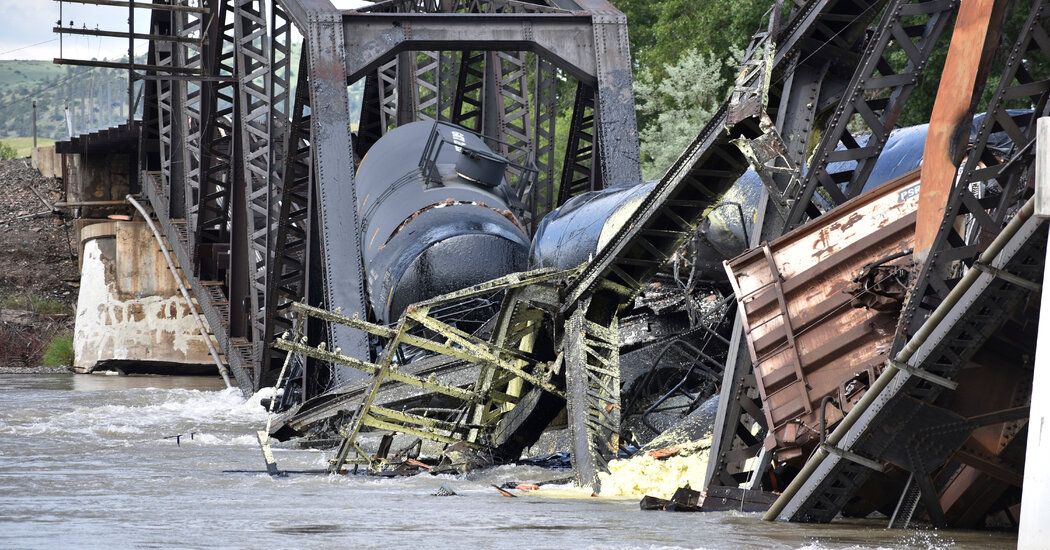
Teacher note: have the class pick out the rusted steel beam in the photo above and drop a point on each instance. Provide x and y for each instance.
(974, 41)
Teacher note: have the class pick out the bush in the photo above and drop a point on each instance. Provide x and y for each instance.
(7, 152)
(20, 346)
(59, 352)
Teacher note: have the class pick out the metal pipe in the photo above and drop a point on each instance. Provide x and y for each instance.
(182, 288)
(264, 439)
(78, 204)
(903, 356)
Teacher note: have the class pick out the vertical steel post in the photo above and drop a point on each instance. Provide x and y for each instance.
(131, 59)
(338, 218)
(543, 144)
(616, 129)
(255, 136)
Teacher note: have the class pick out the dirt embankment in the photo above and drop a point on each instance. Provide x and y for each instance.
(38, 268)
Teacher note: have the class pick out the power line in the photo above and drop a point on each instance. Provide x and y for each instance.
(29, 46)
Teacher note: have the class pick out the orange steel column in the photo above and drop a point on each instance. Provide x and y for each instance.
(974, 41)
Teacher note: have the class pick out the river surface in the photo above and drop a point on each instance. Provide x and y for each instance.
(87, 461)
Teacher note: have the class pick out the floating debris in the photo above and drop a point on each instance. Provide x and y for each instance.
(504, 492)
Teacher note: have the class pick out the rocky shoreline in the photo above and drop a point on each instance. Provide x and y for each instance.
(39, 274)
(35, 370)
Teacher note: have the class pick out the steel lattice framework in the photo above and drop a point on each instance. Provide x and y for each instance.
(249, 168)
(902, 426)
(249, 158)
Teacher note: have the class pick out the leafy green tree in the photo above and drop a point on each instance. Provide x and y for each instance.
(673, 108)
(661, 32)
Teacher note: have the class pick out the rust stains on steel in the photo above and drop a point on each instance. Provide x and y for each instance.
(814, 342)
(974, 41)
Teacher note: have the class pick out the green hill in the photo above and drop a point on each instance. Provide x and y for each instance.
(26, 74)
(96, 98)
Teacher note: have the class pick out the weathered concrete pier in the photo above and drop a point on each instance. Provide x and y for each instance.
(130, 315)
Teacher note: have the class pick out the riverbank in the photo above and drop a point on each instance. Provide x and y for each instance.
(34, 370)
(39, 274)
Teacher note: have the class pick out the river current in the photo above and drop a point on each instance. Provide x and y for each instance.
(90, 461)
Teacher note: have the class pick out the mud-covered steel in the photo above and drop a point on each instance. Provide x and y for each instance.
(695, 182)
(506, 354)
(572, 233)
(436, 216)
(592, 385)
(710, 166)
(342, 276)
(575, 231)
(581, 172)
(579, 228)
(806, 339)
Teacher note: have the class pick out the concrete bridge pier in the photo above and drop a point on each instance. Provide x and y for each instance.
(130, 315)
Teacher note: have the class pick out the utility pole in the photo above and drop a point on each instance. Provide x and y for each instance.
(34, 124)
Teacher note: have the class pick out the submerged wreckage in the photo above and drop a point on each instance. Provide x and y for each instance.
(843, 309)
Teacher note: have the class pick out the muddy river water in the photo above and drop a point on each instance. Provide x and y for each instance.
(88, 462)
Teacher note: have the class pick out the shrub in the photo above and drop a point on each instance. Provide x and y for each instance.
(7, 152)
(20, 346)
(59, 352)
(673, 108)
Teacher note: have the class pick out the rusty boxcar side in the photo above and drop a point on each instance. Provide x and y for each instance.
(819, 309)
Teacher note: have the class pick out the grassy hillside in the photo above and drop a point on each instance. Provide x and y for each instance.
(96, 98)
(26, 74)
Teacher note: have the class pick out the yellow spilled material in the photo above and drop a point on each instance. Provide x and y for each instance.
(644, 474)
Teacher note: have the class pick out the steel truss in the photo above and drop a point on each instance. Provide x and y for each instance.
(873, 101)
(256, 193)
(987, 192)
(867, 102)
(505, 362)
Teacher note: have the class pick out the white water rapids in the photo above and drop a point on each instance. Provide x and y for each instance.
(85, 463)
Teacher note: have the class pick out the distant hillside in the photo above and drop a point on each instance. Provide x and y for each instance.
(22, 74)
(96, 98)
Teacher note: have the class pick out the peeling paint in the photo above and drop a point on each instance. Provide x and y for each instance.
(128, 310)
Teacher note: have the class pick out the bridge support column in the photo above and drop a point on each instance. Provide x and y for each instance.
(1035, 501)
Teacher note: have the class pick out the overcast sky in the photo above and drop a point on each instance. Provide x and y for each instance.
(26, 29)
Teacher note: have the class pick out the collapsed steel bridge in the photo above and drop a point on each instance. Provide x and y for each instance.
(251, 175)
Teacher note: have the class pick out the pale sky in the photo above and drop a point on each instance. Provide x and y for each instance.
(27, 23)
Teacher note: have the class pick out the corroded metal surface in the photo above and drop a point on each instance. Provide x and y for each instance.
(806, 339)
(975, 40)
